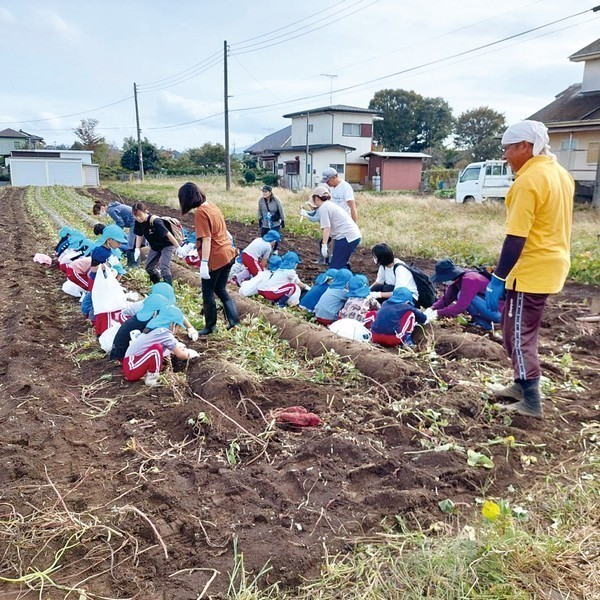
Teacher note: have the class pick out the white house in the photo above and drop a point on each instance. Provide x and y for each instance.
(573, 122)
(53, 167)
(332, 136)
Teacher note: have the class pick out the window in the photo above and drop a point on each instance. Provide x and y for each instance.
(351, 129)
(292, 167)
(310, 128)
(338, 168)
(495, 170)
(470, 174)
(592, 152)
(568, 144)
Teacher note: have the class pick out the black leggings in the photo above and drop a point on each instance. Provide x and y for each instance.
(216, 285)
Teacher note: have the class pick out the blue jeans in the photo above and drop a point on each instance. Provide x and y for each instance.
(342, 251)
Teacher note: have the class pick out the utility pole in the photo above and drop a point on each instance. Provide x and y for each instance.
(596, 196)
(306, 156)
(139, 135)
(226, 106)
(331, 78)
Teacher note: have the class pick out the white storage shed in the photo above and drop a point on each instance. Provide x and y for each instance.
(53, 167)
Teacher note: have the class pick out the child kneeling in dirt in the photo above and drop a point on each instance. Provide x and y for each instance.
(250, 286)
(256, 254)
(361, 305)
(396, 319)
(146, 353)
(322, 281)
(284, 286)
(334, 298)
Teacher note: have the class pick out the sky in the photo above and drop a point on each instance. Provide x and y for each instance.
(66, 60)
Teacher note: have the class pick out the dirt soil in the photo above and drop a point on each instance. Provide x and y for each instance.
(146, 505)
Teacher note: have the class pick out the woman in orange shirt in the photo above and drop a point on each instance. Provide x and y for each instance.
(216, 253)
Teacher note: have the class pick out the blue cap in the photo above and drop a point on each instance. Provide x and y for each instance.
(401, 295)
(274, 262)
(341, 279)
(331, 273)
(358, 287)
(166, 317)
(290, 260)
(112, 232)
(272, 236)
(164, 289)
(151, 304)
(75, 238)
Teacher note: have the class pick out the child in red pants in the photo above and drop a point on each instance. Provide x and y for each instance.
(145, 354)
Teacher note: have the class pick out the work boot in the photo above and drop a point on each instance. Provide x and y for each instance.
(481, 322)
(321, 261)
(154, 277)
(131, 262)
(231, 313)
(531, 404)
(512, 391)
(210, 319)
(151, 378)
(168, 279)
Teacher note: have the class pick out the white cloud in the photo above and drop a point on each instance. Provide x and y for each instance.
(6, 17)
(58, 26)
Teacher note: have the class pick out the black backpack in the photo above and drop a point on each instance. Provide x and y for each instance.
(426, 289)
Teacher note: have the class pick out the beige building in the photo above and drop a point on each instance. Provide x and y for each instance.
(573, 122)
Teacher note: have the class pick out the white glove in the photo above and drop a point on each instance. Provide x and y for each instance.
(303, 213)
(192, 354)
(431, 314)
(136, 254)
(135, 333)
(112, 260)
(204, 272)
(181, 252)
(307, 287)
(324, 250)
(376, 295)
(192, 334)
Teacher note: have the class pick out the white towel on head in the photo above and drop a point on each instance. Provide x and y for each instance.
(534, 132)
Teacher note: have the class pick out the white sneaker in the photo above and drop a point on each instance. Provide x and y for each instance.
(151, 378)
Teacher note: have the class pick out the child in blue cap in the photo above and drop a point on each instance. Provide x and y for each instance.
(256, 254)
(284, 286)
(250, 286)
(396, 319)
(360, 305)
(321, 283)
(334, 298)
(146, 352)
(149, 308)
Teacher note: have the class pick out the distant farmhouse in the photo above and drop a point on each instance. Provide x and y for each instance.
(573, 122)
(337, 136)
(18, 140)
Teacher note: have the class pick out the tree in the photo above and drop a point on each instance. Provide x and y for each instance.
(210, 156)
(477, 132)
(150, 155)
(411, 122)
(86, 132)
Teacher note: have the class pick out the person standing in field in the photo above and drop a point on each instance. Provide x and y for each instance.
(335, 223)
(216, 253)
(342, 193)
(535, 256)
(270, 211)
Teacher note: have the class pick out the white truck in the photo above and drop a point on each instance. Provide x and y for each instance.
(487, 180)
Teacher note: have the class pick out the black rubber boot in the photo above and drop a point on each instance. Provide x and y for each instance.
(210, 320)
(231, 313)
(154, 277)
(531, 405)
(168, 279)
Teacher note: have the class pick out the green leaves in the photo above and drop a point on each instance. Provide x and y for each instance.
(476, 459)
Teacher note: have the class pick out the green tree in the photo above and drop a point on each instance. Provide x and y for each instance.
(477, 132)
(87, 135)
(411, 122)
(150, 155)
(209, 156)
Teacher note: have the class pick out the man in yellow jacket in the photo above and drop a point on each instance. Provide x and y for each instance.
(535, 257)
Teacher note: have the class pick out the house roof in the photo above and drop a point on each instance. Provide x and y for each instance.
(334, 108)
(590, 51)
(273, 140)
(311, 148)
(569, 106)
(11, 133)
(397, 154)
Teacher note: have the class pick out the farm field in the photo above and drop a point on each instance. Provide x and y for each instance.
(113, 490)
